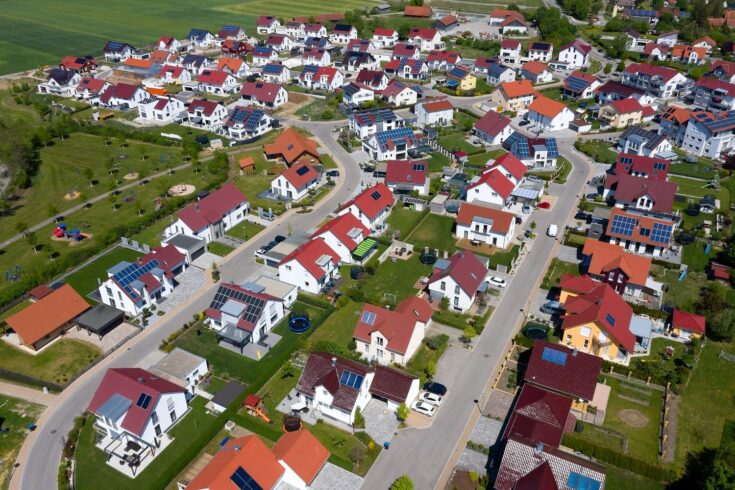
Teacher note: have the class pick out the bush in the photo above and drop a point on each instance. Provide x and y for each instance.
(402, 483)
(402, 412)
(436, 342)
(359, 419)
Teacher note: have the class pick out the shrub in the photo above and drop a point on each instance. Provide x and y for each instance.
(359, 419)
(436, 342)
(402, 412)
(402, 483)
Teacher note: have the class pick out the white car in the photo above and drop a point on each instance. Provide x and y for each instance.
(431, 398)
(424, 408)
(498, 282)
(552, 230)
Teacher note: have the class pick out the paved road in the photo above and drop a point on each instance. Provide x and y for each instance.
(39, 458)
(431, 449)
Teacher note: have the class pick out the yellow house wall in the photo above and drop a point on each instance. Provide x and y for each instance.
(695, 335)
(573, 338)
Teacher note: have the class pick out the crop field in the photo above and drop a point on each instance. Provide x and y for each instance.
(41, 32)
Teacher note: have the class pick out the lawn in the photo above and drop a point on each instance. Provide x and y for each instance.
(15, 309)
(84, 281)
(153, 234)
(700, 170)
(255, 183)
(618, 479)
(597, 150)
(483, 158)
(339, 326)
(435, 231)
(692, 187)
(404, 220)
(318, 110)
(57, 363)
(245, 230)
(456, 142)
(682, 294)
(558, 268)
(17, 414)
(219, 249)
(437, 162)
(392, 282)
(695, 258)
(82, 27)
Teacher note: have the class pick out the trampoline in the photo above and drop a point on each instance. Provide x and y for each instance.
(536, 332)
(428, 258)
(291, 423)
(299, 322)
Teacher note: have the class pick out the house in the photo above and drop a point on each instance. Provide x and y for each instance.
(291, 146)
(511, 22)
(315, 31)
(639, 166)
(176, 75)
(497, 73)
(310, 266)
(538, 51)
(426, 38)
(361, 46)
(491, 187)
(264, 94)
(80, 64)
(621, 113)
(434, 113)
(342, 34)
(262, 55)
(294, 183)
(393, 144)
(723, 70)
(461, 79)
(422, 11)
(493, 128)
(116, 51)
(242, 316)
(510, 51)
(656, 52)
(384, 37)
(375, 79)
(355, 61)
(408, 68)
(60, 82)
(356, 93)
(687, 325)
(340, 386)
(48, 317)
(206, 114)
(714, 95)
(316, 56)
(559, 369)
(625, 272)
(325, 78)
(405, 50)
(638, 232)
(658, 81)
(514, 96)
(276, 73)
(575, 54)
(541, 415)
(688, 55)
(135, 407)
(549, 114)
(134, 287)
(366, 123)
(217, 82)
(635, 41)
(162, 109)
(388, 337)
(632, 192)
(231, 32)
(673, 124)
(267, 24)
(247, 123)
(580, 85)
(533, 152)
(200, 38)
(182, 368)
(510, 166)
(211, 216)
(195, 63)
(643, 142)
(705, 42)
(232, 48)
(91, 88)
(536, 72)
(372, 206)
(406, 176)
(294, 30)
(123, 96)
(710, 134)
(279, 42)
(459, 279)
(318, 42)
(443, 60)
(344, 234)
(234, 66)
(669, 39)
(612, 90)
(485, 224)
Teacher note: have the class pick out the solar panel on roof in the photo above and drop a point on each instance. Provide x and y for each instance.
(610, 319)
(554, 356)
(419, 167)
(243, 480)
(661, 233)
(623, 225)
(577, 481)
(143, 401)
(351, 379)
(576, 84)
(375, 195)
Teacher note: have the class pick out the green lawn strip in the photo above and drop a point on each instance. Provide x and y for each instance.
(682, 294)
(57, 363)
(619, 479)
(503, 257)
(404, 220)
(597, 150)
(245, 230)
(253, 184)
(691, 187)
(701, 170)
(693, 255)
(482, 158)
(84, 281)
(327, 161)
(435, 231)
(421, 359)
(17, 414)
(456, 142)
(219, 249)
(437, 162)
(15, 309)
(558, 268)
(153, 235)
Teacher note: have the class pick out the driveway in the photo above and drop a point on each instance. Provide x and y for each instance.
(380, 422)
(331, 477)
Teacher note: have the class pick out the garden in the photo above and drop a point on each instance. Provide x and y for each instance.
(16, 415)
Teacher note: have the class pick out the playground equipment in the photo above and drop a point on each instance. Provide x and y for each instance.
(13, 274)
(254, 406)
(291, 423)
(299, 322)
(428, 257)
(129, 196)
(62, 231)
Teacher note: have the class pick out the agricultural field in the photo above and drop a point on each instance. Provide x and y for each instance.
(41, 32)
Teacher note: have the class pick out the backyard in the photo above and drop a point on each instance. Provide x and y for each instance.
(259, 180)
(245, 230)
(404, 220)
(682, 294)
(597, 150)
(558, 268)
(57, 363)
(16, 415)
(392, 282)
(434, 231)
(84, 281)
(457, 142)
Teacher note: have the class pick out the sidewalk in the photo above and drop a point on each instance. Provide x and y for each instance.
(26, 393)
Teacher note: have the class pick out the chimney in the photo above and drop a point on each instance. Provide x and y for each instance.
(538, 449)
(141, 380)
(574, 352)
(334, 362)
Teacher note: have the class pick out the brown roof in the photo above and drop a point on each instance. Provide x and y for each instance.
(417, 11)
(47, 314)
(575, 376)
(291, 145)
(246, 162)
(40, 291)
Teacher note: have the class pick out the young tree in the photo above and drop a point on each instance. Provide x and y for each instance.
(430, 369)
(402, 483)
(21, 227)
(402, 412)
(469, 333)
(608, 69)
(89, 175)
(357, 454)
(32, 240)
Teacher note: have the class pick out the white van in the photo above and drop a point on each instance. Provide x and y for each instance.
(552, 230)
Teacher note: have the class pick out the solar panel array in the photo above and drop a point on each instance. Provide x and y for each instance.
(115, 46)
(254, 305)
(495, 70)
(419, 167)
(722, 123)
(551, 147)
(554, 356)
(375, 115)
(661, 233)
(351, 379)
(243, 480)
(262, 50)
(248, 117)
(272, 69)
(368, 317)
(398, 136)
(143, 401)
(577, 481)
(623, 225)
(132, 273)
(576, 84)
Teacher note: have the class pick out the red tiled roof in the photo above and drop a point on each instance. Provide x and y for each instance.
(406, 172)
(320, 371)
(261, 91)
(417, 11)
(309, 254)
(713, 83)
(719, 271)
(605, 257)
(650, 47)
(447, 20)
(397, 327)
(577, 284)
(291, 145)
(449, 56)
(303, 453)
(631, 163)
(345, 228)
(39, 319)
(213, 77)
(372, 206)
(727, 67)
(546, 106)
(40, 291)
(175, 71)
(404, 50)
(130, 383)
(265, 21)
(511, 164)
(579, 45)
(497, 181)
(425, 33)
(539, 415)
(298, 177)
(688, 321)
(383, 31)
(502, 220)
(652, 70)
(534, 67)
(541, 478)
(94, 85)
(391, 384)
(492, 123)
(124, 91)
(465, 269)
(210, 209)
(508, 43)
(577, 377)
(206, 106)
(641, 221)
(629, 188)
(626, 106)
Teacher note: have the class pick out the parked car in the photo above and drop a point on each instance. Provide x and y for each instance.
(583, 215)
(526, 209)
(552, 308)
(431, 398)
(279, 238)
(333, 173)
(498, 282)
(268, 216)
(552, 230)
(436, 388)
(544, 205)
(424, 408)
(524, 122)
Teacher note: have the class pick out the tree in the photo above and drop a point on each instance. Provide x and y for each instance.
(621, 66)
(88, 174)
(357, 454)
(469, 333)
(430, 369)
(50, 251)
(402, 412)
(21, 227)
(721, 326)
(532, 225)
(710, 300)
(359, 419)
(32, 240)
(402, 483)
(608, 69)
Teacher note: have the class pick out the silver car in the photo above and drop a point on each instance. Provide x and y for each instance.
(424, 408)
(431, 398)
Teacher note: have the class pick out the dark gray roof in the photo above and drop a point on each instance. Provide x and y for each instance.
(228, 394)
(100, 318)
(185, 242)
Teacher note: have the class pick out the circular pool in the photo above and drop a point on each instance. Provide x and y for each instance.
(299, 322)
(536, 332)
(427, 258)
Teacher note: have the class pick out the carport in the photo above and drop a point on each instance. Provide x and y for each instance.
(100, 319)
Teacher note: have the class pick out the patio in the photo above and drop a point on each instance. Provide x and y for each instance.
(311, 415)
(128, 456)
(254, 351)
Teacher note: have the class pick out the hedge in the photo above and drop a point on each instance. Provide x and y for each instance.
(314, 301)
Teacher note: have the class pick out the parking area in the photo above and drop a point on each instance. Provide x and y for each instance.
(332, 476)
(381, 423)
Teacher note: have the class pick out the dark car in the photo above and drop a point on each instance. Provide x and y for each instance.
(436, 388)
(525, 122)
(279, 238)
(582, 215)
(271, 244)
(333, 173)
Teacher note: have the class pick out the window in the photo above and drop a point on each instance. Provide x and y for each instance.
(172, 414)
(379, 340)
(586, 343)
(154, 418)
(158, 430)
(380, 353)
(456, 289)
(392, 357)
(443, 286)
(456, 301)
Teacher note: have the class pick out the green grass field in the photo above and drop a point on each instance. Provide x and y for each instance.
(56, 363)
(41, 32)
(435, 231)
(17, 414)
(84, 281)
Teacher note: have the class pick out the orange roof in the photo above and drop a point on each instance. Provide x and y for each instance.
(706, 39)
(417, 11)
(546, 106)
(501, 220)
(138, 63)
(535, 67)
(291, 145)
(247, 162)
(248, 453)
(606, 257)
(518, 88)
(47, 314)
(303, 453)
(678, 114)
(232, 64)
